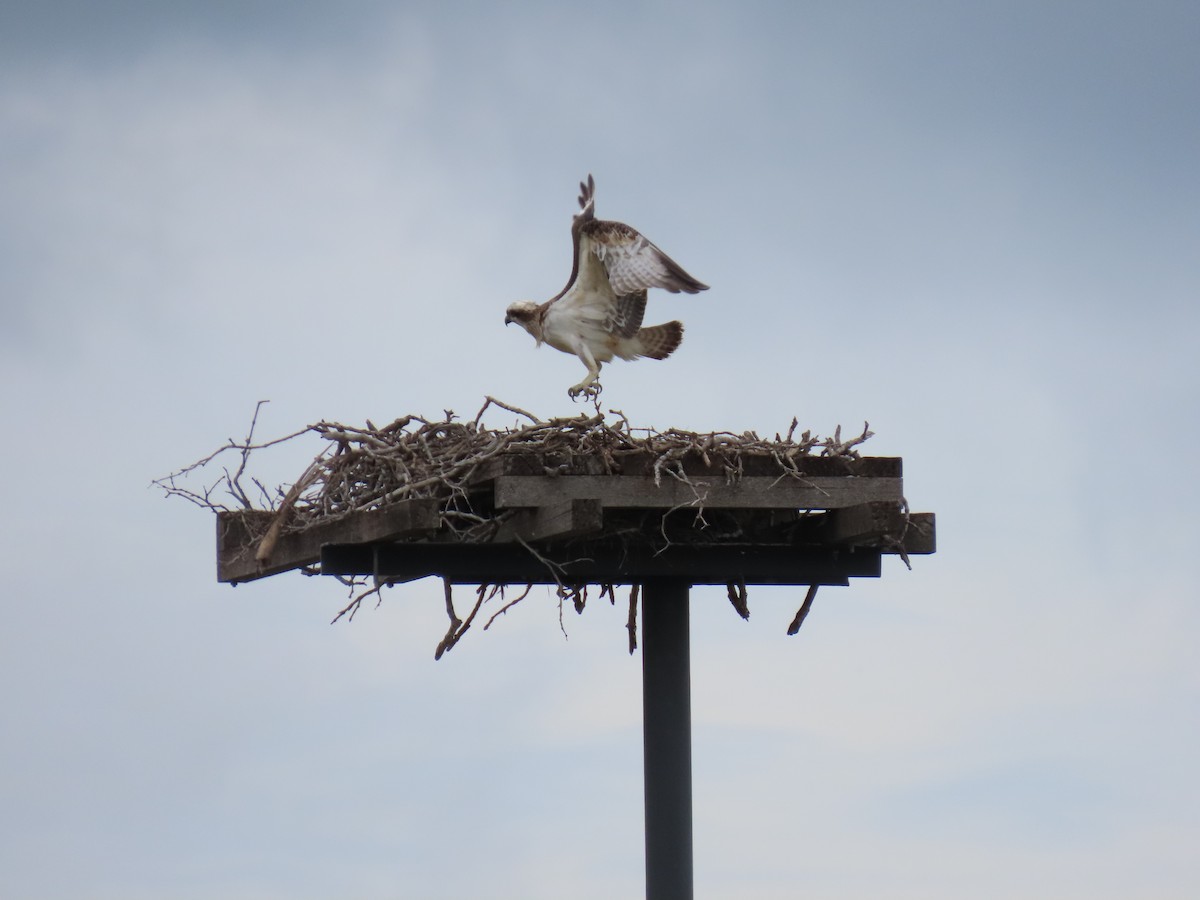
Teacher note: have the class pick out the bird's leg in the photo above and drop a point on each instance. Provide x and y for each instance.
(590, 386)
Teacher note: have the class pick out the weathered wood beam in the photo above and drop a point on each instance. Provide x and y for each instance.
(596, 564)
(556, 521)
(633, 491)
(863, 523)
(881, 524)
(238, 534)
(237, 537)
(920, 538)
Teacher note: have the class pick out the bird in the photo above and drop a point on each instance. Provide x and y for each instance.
(598, 315)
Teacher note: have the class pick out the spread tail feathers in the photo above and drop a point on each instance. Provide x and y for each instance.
(659, 341)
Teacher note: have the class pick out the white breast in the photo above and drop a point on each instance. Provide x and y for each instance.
(582, 316)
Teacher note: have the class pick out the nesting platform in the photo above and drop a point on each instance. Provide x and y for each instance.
(579, 502)
(568, 519)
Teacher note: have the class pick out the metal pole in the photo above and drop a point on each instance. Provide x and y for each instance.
(667, 733)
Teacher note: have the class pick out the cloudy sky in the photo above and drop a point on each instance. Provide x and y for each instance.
(975, 229)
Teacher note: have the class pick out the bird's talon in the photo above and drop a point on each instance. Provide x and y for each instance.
(584, 392)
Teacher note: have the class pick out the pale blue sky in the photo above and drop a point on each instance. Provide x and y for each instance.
(976, 229)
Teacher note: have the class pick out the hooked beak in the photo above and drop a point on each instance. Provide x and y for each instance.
(508, 320)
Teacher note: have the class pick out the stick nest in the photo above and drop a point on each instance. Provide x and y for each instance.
(369, 467)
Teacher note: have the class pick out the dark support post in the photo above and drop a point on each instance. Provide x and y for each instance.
(667, 730)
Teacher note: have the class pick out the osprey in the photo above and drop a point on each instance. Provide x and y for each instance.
(598, 315)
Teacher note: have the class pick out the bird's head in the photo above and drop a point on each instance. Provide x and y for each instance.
(525, 314)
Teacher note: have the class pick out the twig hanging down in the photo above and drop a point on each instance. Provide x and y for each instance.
(737, 596)
(449, 640)
(578, 596)
(458, 629)
(804, 608)
(896, 542)
(507, 606)
(631, 625)
(350, 609)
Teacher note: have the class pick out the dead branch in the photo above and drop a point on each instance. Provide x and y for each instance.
(834, 446)
(737, 596)
(492, 401)
(356, 599)
(452, 637)
(452, 632)
(802, 613)
(267, 546)
(507, 606)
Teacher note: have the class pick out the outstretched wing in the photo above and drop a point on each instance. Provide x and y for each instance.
(632, 262)
(586, 214)
(612, 264)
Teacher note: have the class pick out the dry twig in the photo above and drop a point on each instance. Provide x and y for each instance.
(737, 596)
(802, 612)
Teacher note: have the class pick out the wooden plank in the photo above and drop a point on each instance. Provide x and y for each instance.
(238, 534)
(556, 521)
(865, 523)
(920, 538)
(631, 491)
(237, 537)
(882, 525)
(514, 564)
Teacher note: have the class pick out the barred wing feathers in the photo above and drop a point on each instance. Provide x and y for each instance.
(633, 263)
(627, 318)
(627, 259)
